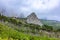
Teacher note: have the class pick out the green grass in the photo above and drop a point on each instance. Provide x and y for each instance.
(7, 33)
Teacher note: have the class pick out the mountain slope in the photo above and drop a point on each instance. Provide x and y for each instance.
(17, 29)
(55, 24)
(8, 33)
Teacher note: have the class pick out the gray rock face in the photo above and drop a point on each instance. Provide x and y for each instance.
(33, 19)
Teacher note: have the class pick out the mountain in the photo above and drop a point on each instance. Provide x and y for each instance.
(32, 18)
(12, 28)
(54, 23)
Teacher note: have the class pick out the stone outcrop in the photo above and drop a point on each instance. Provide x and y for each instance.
(32, 18)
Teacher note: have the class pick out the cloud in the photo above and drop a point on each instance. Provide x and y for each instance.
(41, 7)
(42, 4)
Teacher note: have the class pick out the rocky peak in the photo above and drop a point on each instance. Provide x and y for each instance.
(32, 18)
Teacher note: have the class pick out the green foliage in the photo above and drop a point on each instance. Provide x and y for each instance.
(58, 30)
(55, 24)
(15, 28)
(7, 33)
(47, 28)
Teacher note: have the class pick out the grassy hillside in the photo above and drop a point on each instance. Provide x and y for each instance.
(8, 33)
(18, 29)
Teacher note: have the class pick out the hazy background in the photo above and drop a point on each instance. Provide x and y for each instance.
(44, 9)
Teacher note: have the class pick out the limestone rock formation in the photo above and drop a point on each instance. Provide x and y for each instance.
(32, 18)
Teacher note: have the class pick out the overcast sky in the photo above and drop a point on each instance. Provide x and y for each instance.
(44, 9)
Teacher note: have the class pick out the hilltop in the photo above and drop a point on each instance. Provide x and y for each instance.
(32, 18)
